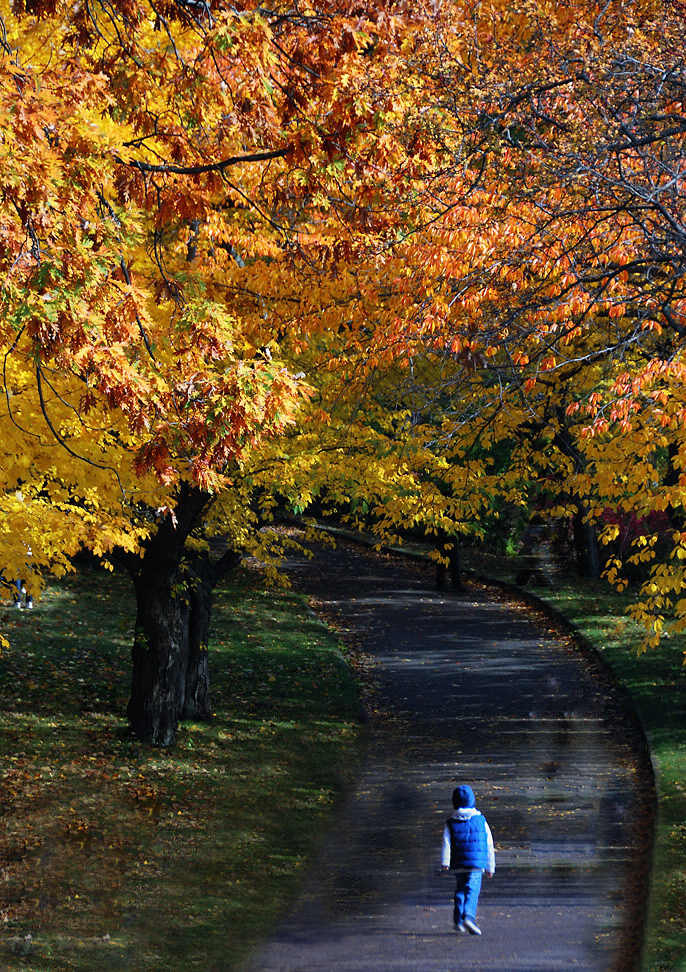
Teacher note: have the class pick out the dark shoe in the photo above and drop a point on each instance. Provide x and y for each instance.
(472, 927)
(460, 927)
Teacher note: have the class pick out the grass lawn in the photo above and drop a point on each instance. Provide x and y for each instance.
(656, 681)
(114, 855)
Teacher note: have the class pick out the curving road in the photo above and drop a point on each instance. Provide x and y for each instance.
(480, 693)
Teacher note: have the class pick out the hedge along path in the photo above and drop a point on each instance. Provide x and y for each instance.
(474, 689)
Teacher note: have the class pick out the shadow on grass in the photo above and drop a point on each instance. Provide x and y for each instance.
(115, 855)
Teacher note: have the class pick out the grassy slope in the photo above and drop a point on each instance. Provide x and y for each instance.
(656, 681)
(114, 855)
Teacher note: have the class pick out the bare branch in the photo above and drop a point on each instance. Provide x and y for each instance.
(208, 167)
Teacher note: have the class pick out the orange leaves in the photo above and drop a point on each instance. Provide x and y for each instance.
(182, 203)
(155, 456)
(120, 321)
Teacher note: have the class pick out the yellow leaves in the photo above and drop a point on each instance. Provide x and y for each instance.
(612, 573)
(610, 533)
(562, 512)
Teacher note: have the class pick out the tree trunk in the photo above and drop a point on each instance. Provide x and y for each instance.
(174, 590)
(449, 575)
(163, 608)
(586, 544)
(197, 691)
(204, 574)
(587, 547)
(455, 572)
(171, 679)
(160, 656)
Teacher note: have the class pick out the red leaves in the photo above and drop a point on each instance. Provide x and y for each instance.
(40, 8)
(155, 455)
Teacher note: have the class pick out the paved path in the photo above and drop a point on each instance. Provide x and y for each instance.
(486, 696)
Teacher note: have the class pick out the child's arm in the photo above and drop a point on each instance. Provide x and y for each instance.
(490, 870)
(445, 850)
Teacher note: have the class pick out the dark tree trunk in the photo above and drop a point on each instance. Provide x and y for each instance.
(454, 569)
(161, 644)
(449, 575)
(160, 657)
(676, 516)
(174, 590)
(204, 575)
(587, 547)
(197, 693)
(586, 544)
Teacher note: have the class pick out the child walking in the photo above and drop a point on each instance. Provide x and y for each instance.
(468, 851)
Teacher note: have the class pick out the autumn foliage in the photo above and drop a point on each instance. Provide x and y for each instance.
(162, 184)
(541, 297)
(360, 253)
(569, 289)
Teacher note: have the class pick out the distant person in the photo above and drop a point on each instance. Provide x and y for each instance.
(21, 597)
(468, 851)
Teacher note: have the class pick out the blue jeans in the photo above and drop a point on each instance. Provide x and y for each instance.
(467, 888)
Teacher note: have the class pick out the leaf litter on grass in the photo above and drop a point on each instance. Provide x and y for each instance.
(116, 855)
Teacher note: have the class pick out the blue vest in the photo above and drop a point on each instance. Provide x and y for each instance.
(468, 842)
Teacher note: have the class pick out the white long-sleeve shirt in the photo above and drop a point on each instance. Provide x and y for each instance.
(465, 813)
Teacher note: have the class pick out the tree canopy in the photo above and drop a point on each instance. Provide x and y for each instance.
(414, 258)
(560, 288)
(174, 179)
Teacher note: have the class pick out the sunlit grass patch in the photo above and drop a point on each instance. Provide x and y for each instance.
(116, 855)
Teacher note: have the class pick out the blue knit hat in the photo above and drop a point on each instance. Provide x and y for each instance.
(463, 796)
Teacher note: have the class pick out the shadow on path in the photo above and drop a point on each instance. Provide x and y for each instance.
(485, 696)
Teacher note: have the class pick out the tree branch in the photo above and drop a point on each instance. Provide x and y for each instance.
(59, 438)
(647, 139)
(208, 167)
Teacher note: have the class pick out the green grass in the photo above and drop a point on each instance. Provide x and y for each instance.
(656, 681)
(114, 855)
